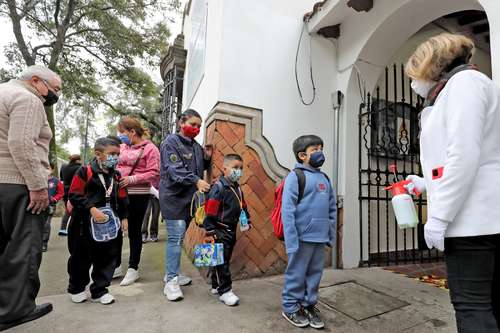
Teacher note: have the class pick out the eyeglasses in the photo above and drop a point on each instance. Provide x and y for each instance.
(56, 90)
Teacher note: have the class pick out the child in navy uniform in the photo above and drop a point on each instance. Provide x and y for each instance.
(224, 209)
(95, 187)
(56, 193)
(308, 226)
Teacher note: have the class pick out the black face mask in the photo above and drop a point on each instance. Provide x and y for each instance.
(51, 98)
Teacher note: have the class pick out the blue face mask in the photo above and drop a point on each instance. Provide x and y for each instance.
(125, 139)
(111, 162)
(235, 175)
(317, 159)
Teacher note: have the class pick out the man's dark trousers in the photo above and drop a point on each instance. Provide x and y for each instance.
(20, 253)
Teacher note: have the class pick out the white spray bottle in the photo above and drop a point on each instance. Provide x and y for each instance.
(403, 205)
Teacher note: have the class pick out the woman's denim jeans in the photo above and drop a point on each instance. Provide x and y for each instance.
(176, 229)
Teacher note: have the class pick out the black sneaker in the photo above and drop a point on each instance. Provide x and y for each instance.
(44, 247)
(312, 314)
(297, 319)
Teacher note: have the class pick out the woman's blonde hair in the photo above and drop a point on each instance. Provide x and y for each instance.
(129, 123)
(438, 55)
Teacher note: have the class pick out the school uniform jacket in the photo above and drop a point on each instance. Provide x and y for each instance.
(460, 155)
(55, 189)
(314, 218)
(86, 193)
(223, 208)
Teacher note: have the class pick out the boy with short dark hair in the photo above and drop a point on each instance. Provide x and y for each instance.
(308, 226)
(225, 210)
(56, 193)
(97, 200)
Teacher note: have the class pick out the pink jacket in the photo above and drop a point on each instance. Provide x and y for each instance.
(147, 172)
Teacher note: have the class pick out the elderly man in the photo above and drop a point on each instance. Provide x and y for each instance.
(24, 146)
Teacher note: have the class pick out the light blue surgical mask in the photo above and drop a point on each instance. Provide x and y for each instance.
(235, 175)
(125, 139)
(111, 162)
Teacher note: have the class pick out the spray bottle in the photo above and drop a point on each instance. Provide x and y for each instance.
(402, 204)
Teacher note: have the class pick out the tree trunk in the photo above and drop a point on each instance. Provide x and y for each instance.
(53, 146)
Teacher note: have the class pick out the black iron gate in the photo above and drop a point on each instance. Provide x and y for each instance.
(171, 100)
(389, 151)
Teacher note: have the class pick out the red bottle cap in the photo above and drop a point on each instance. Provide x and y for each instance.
(398, 188)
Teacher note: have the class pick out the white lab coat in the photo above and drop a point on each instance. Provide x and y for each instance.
(460, 155)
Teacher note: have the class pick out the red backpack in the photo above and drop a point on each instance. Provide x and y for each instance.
(278, 197)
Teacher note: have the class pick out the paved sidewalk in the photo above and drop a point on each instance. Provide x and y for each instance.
(360, 300)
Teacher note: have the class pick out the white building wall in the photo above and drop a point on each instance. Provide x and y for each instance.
(259, 48)
(207, 94)
(250, 62)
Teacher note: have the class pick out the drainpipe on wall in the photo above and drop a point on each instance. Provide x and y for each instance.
(337, 100)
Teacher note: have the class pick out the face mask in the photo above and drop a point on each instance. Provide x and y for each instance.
(125, 139)
(422, 88)
(317, 159)
(110, 162)
(235, 175)
(51, 98)
(190, 131)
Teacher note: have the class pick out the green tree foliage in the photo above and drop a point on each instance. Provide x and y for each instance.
(99, 48)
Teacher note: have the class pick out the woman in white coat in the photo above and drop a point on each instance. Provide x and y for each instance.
(460, 158)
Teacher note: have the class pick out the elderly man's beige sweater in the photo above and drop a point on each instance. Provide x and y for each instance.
(24, 136)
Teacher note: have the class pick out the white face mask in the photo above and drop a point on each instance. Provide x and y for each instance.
(422, 88)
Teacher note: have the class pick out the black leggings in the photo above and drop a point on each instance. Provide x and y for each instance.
(138, 204)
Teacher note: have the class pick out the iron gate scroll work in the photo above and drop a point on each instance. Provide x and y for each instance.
(388, 135)
(172, 101)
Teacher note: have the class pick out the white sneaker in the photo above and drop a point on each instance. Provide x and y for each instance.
(184, 280)
(78, 298)
(118, 272)
(214, 291)
(131, 276)
(105, 299)
(229, 298)
(173, 290)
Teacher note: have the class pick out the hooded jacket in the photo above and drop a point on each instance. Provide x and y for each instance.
(314, 218)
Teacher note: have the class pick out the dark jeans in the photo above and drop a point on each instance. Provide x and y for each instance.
(473, 265)
(20, 253)
(65, 219)
(221, 275)
(85, 252)
(138, 204)
(153, 211)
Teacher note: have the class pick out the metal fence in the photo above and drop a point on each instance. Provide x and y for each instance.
(388, 136)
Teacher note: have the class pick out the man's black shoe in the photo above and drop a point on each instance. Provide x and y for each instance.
(312, 313)
(297, 318)
(40, 311)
